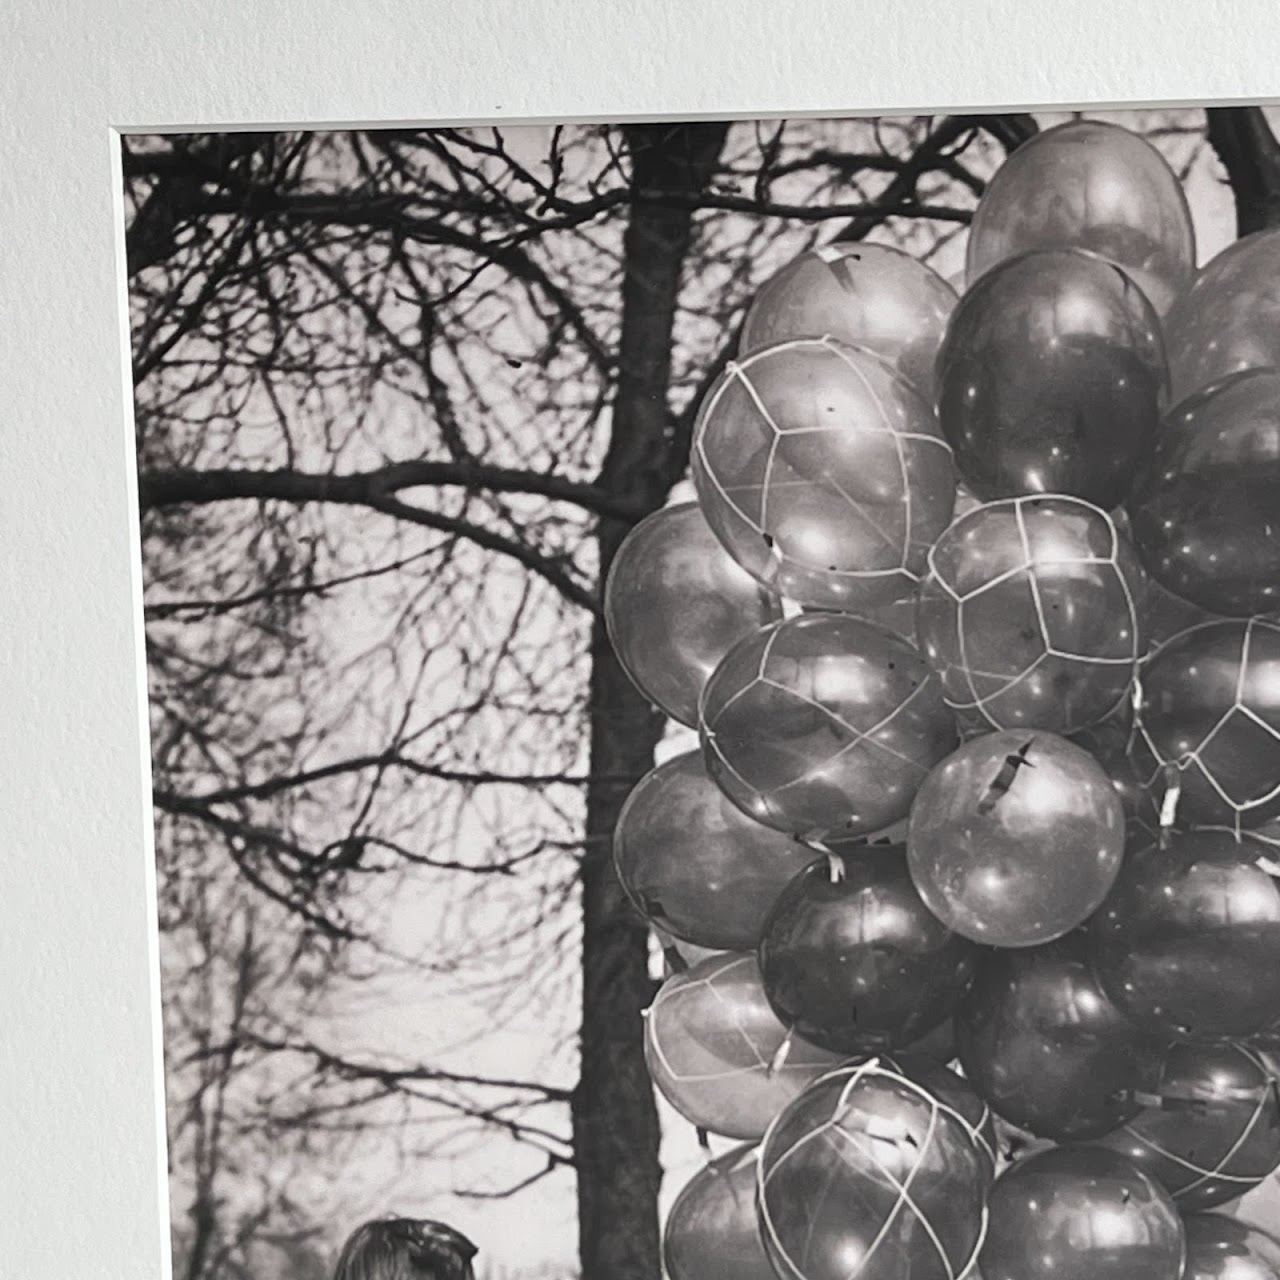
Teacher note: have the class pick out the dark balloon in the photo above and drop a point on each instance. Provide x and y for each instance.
(823, 472)
(1015, 838)
(1081, 1213)
(1210, 1132)
(1031, 614)
(713, 1047)
(1110, 744)
(824, 723)
(1166, 615)
(938, 1046)
(869, 295)
(1188, 943)
(1044, 1046)
(693, 864)
(1229, 319)
(675, 602)
(858, 962)
(1051, 379)
(1206, 508)
(712, 1232)
(867, 1174)
(1211, 707)
(1220, 1248)
(1091, 185)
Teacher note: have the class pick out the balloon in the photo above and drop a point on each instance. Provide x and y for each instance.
(1229, 319)
(1188, 943)
(1051, 378)
(1207, 504)
(869, 295)
(869, 1175)
(1081, 1213)
(1211, 707)
(954, 1090)
(938, 1046)
(1044, 1046)
(1167, 615)
(823, 473)
(674, 604)
(712, 1232)
(1220, 1248)
(713, 1047)
(1089, 185)
(1211, 1130)
(858, 962)
(1031, 614)
(824, 723)
(693, 864)
(679, 956)
(898, 616)
(1015, 838)
(1109, 743)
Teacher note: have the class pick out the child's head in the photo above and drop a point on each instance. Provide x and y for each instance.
(405, 1249)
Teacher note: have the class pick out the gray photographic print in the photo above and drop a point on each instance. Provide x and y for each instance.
(715, 695)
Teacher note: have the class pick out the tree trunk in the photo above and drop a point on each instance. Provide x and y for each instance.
(615, 1122)
(1251, 156)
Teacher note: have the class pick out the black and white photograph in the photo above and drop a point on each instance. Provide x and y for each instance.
(714, 694)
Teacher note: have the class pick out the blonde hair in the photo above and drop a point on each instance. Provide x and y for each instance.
(405, 1249)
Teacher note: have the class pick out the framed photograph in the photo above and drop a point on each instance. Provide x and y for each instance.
(613, 676)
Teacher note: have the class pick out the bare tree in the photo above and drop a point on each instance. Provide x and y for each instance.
(400, 396)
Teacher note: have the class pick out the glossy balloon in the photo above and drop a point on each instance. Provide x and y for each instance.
(1081, 1213)
(869, 1176)
(1089, 185)
(1211, 707)
(1220, 1248)
(1044, 1046)
(1188, 943)
(953, 1090)
(1210, 1131)
(1229, 319)
(859, 962)
(693, 864)
(712, 1232)
(1110, 744)
(824, 723)
(675, 602)
(870, 295)
(1051, 379)
(1015, 838)
(711, 1041)
(1031, 614)
(1206, 507)
(823, 472)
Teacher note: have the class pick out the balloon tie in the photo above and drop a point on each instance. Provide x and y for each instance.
(1268, 866)
(1169, 803)
(778, 1061)
(1003, 780)
(835, 868)
(704, 1141)
(675, 961)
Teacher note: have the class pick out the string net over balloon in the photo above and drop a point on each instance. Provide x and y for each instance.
(823, 472)
(867, 1150)
(824, 724)
(720, 1055)
(1227, 776)
(1237, 1168)
(1031, 614)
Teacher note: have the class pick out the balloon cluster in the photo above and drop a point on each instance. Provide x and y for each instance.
(973, 916)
